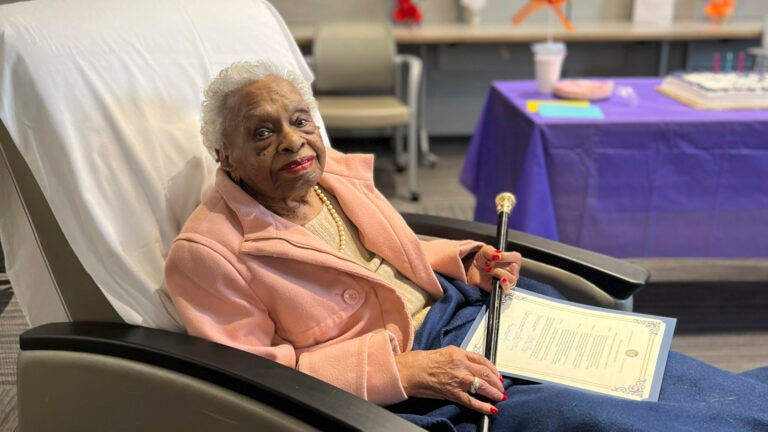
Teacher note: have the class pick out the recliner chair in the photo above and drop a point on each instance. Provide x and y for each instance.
(101, 164)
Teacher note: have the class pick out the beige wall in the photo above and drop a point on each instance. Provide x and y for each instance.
(310, 11)
(300, 12)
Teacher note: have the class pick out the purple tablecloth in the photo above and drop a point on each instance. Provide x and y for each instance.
(658, 179)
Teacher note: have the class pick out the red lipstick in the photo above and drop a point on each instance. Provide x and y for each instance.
(298, 164)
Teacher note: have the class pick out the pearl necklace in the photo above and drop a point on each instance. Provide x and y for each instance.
(334, 215)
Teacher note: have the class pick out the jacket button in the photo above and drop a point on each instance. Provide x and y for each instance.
(350, 296)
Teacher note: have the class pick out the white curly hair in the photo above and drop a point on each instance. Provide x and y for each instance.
(232, 78)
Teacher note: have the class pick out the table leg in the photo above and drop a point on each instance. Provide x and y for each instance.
(663, 58)
(427, 157)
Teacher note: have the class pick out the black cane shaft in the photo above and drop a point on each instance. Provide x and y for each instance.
(494, 309)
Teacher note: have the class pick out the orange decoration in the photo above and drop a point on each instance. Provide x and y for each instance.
(534, 5)
(720, 10)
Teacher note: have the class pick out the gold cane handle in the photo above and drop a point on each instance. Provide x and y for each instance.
(505, 202)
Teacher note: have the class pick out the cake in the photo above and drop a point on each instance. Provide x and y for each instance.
(725, 91)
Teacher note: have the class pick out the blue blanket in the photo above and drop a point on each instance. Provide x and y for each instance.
(694, 395)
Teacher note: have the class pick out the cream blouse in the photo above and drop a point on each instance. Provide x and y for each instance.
(416, 299)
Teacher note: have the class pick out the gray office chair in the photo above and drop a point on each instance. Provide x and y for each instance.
(358, 86)
(760, 54)
(92, 361)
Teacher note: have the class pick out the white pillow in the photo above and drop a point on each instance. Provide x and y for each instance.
(103, 100)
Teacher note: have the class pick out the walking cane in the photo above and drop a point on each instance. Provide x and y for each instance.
(504, 203)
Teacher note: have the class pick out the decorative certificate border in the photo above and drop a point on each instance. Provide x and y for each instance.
(646, 386)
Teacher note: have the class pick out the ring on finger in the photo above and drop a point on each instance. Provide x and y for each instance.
(475, 385)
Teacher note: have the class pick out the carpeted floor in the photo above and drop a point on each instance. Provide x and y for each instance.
(12, 323)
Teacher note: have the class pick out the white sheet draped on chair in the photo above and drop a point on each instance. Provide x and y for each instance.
(137, 81)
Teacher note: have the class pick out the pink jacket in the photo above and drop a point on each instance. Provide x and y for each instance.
(242, 276)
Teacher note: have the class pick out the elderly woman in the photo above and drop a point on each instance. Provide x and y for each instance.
(295, 256)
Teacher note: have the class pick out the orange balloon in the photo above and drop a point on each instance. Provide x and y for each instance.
(720, 9)
(534, 5)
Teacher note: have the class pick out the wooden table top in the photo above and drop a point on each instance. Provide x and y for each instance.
(605, 31)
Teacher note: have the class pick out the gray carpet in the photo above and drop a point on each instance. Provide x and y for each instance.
(8, 419)
(12, 323)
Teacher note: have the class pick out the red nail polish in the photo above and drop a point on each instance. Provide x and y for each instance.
(504, 398)
(498, 250)
(494, 410)
(501, 378)
(496, 257)
(488, 268)
(504, 280)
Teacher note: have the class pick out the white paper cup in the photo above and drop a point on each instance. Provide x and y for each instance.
(471, 16)
(548, 64)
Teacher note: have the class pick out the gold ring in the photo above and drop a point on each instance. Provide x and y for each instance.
(475, 385)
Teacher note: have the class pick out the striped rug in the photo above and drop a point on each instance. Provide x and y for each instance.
(8, 419)
(12, 323)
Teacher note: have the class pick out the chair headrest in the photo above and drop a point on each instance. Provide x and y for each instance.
(102, 99)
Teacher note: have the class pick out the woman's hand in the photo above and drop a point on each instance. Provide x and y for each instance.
(490, 262)
(448, 373)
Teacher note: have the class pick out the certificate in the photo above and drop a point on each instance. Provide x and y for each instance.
(617, 353)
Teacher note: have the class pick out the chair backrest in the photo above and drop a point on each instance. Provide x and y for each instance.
(102, 100)
(32, 233)
(354, 55)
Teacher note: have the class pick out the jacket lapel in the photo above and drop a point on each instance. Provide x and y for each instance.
(350, 179)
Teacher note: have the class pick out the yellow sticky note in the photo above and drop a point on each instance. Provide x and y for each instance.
(533, 105)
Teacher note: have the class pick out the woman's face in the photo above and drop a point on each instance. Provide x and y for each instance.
(271, 142)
